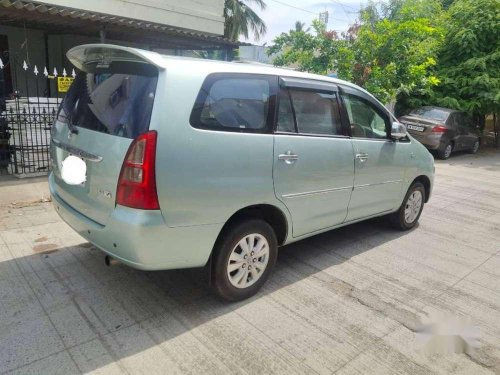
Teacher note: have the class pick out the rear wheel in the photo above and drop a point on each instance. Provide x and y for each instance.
(475, 147)
(445, 152)
(243, 259)
(409, 212)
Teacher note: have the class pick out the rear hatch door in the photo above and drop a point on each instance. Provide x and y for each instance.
(108, 105)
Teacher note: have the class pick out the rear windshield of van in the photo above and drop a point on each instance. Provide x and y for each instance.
(116, 99)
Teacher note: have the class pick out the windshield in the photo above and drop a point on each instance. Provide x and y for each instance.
(431, 113)
(115, 99)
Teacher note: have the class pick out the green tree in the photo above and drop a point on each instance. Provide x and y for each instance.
(316, 52)
(469, 61)
(240, 19)
(391, 51)
(447, 3)
(397, 52)
(301, 26)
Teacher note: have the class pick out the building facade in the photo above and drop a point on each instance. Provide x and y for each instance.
(35, 73)
(41, 32)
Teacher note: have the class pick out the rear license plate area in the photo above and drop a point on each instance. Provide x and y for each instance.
(415, 127)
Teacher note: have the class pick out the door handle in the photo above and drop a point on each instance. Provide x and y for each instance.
(362, 157)
(288, 157)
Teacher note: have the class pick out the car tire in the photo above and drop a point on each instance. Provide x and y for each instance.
(446, 151)
(243, 259)
(475, 147)
(406, 217)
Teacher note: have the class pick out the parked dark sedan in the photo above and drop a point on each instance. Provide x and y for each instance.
(442, 130)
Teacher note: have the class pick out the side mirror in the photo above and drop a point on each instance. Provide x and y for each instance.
(398, 131)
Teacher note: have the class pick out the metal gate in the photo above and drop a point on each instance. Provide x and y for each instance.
(29, 100)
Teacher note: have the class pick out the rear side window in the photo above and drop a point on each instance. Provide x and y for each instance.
(116, 99)
(316, 112)
(233, 102)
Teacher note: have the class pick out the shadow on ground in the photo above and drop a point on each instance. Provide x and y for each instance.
(486, 159)
(120, 311)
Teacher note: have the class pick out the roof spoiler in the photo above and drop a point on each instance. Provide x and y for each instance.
(85, 54)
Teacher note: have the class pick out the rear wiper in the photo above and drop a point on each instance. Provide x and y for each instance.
(72, 128)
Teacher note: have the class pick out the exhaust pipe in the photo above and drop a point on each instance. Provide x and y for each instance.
(109, 261)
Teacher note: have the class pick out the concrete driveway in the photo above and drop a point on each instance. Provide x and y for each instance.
(348, 301)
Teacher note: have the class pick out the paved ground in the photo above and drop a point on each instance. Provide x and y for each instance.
(348, 301)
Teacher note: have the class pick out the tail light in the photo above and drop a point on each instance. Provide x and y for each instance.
(137, 182)
(439, 129)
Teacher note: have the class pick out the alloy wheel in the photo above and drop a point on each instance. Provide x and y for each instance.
(447, 151)
(413, 206)
(248, 260)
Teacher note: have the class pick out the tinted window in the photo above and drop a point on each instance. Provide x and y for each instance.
(431, 113)
(285, 121)
(316, 112)
(463, 120)
(365, 120)
(116, 100)
(468, 121)
(453, 120)
(233, 102)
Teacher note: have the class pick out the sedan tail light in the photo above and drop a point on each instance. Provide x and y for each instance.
(439, 129)
(137, 182)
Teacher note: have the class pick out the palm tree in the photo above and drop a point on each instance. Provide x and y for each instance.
(299, 26)
(240, 19)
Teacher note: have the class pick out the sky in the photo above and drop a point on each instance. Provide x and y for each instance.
(280, 15)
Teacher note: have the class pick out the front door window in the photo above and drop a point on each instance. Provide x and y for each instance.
(365, 120)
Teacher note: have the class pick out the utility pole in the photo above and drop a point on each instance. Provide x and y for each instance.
(323, 17)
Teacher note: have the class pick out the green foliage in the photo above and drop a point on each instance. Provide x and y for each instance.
(470, 58)
(447, 3)
(392, 50)
(397, 53)
(317, 53)
(439, 52)
(240, 19)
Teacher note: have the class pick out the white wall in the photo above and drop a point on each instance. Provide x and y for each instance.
(255, 53)
(197, 15)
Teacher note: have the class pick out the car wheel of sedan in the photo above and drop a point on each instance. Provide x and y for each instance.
(243, 259)
(445, 152)
(408, 214)
(475, 147)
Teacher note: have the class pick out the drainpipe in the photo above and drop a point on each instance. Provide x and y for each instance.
(47, 61)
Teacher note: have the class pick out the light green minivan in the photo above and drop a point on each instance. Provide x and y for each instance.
(166, 162)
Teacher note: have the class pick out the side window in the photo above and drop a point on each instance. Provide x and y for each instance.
(316, 112)
(453, 120)
(464, 120)
(285, 121)
(364, 118)
(233, 102)
(468, 121)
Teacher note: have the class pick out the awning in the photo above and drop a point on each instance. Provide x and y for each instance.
(63, 20)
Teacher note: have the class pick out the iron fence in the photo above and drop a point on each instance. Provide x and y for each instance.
(27, 111)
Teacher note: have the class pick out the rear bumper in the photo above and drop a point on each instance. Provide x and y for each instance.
(140, 238)
(431, 141)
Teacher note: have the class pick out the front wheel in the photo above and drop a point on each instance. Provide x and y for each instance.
(243, 259)
(408, 214)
